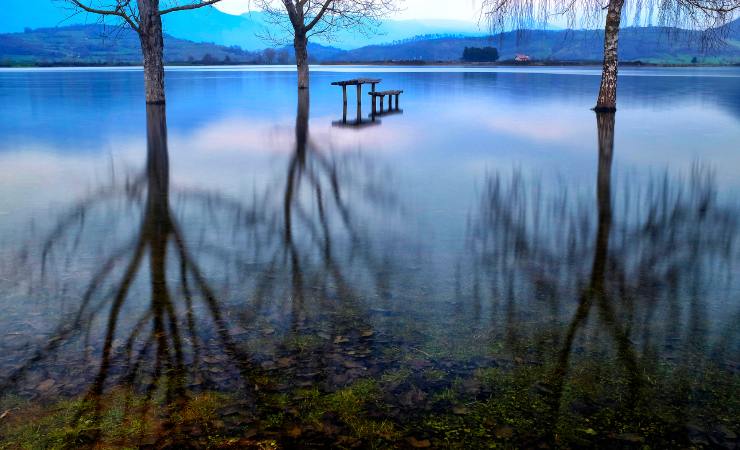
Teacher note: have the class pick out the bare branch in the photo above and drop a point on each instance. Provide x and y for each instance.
(327, 16)
(188, 6)
(121, 9)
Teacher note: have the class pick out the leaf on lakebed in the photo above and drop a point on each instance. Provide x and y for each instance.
(419, 443)
(460, 410)
(295, 432)
(504, 432)
(45, 385)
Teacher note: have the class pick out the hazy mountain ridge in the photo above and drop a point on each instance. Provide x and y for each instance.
(212, 25)
(649, 44)
(96, 44)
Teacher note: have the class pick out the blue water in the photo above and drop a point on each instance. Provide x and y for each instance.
(484, 221)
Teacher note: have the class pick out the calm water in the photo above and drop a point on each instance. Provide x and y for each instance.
(492, 264)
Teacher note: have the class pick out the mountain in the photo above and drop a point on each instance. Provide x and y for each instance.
(248, 30)
(96, 44)
(648, 44)
(212, 25)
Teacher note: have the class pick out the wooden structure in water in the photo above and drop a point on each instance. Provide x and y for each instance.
(355, 82)
(375, 95)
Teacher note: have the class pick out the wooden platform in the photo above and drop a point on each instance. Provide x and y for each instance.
(357, 81)
(382, 95)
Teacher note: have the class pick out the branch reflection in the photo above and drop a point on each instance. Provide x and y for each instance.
(644, 277)
(209, 293)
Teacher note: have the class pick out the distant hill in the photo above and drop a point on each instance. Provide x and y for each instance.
(212, 25)
(248, 30)
(96, 44)
(649, 44)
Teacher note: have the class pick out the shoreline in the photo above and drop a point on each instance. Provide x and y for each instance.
(53, 65)
(376, 64)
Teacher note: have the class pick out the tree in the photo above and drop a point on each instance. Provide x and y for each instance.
(307, 18)
(477, 54)
(208, 59)
(269, 55)
(144, 17)
(283, 57)
(706, 15)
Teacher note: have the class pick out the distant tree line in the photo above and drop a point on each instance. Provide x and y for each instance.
(478, 54)
(267, 56)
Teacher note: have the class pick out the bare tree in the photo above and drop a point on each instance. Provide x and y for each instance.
(306, 18)
(269, 55)
(145, 18)
(704, 15)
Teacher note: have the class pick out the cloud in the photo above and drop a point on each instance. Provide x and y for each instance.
(412, 9)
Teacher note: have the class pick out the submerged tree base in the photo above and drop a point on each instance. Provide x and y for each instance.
(604, 109)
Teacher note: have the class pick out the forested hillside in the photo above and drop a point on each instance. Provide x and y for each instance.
(651, 44)
(96, 44)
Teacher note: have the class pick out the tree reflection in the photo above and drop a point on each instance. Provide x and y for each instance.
(645, 297)
(171, 312)
(317, 182)
(142, 345)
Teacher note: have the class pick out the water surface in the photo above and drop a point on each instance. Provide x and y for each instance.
(493, 262)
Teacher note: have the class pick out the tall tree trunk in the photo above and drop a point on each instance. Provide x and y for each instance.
(152, 46)
(605, 124)
(301, 58)
(607, 100)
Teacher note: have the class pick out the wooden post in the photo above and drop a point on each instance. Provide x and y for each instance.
(359, 102)
(397, 97)
(344, 103)
(373, 84)
(372, 98)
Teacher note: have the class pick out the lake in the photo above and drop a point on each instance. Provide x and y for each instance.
(492, 263)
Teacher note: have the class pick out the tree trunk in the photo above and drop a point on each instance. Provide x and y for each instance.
(607, 101)
(605, 124)
(157, 166)
(301, 59)
(152, 47)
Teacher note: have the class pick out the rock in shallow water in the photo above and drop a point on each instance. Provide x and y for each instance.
(418, 443)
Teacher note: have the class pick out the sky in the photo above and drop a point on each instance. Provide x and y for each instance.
(413, 9)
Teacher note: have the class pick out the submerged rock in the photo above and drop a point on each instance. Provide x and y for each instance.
(542, 388)
(418, 443)
(504, 432)
(45, 385)
(630, 437)
(460, 410)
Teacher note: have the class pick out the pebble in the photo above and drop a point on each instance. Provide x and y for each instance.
(419, 443)
(45, 385)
